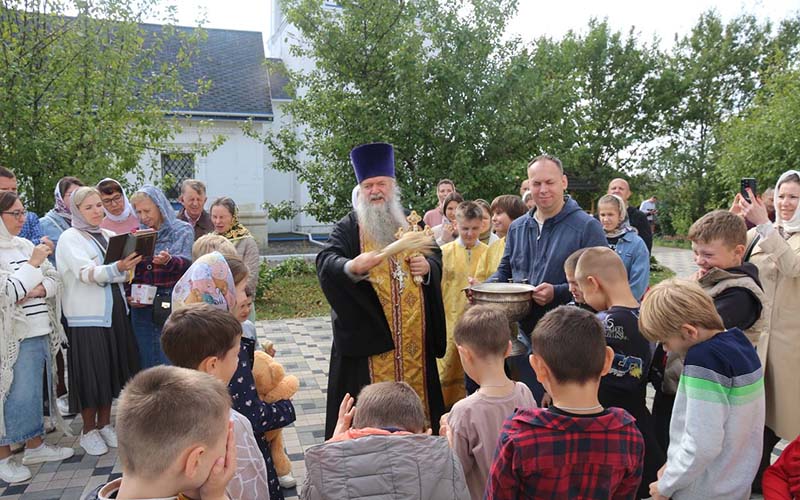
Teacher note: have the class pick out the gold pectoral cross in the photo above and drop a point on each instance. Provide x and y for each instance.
(413, 226)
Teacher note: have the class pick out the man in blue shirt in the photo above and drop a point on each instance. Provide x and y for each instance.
(538, 243)
(31, 230)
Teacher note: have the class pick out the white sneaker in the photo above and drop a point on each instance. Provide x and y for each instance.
(287, 481)
(46, 453)
(109, 435)
(11, 472)
(93, 443)
(63, 406)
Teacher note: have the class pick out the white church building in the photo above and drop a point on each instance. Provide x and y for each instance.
(243, 90)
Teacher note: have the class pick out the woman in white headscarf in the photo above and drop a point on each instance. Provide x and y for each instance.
(777, 256)
(103, 353)
(120, 217)
(30, 336)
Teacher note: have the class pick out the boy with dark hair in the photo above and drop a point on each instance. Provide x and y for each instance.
(201, 337)
(483, 339)
(604, 283)
(386, 454)
(718, 420)
(174, 437)
(459, 262)
(575, 448)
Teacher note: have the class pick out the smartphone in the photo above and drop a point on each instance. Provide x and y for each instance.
(748, 182)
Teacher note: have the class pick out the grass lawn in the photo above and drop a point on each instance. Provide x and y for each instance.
(672, 242)
(296, 296)
(660, 275)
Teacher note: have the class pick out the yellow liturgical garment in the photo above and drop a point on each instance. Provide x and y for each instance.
(403, 306)
(458, 264)
(490, 260)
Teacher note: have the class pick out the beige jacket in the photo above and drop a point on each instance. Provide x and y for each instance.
(247, 248)
(778, 262)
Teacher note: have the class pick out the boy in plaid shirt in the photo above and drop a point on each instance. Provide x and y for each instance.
(575, 448)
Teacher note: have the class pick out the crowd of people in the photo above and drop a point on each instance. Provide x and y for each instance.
(429, 395)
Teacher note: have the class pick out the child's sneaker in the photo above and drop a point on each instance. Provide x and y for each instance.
(287, 481)
(11, 472)
(63, 406)
(109, 435)
(93, 443)
(46, 453)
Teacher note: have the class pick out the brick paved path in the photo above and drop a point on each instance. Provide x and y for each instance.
(303, 348)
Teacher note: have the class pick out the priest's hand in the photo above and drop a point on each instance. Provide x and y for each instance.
(364, 262)
(419, 265)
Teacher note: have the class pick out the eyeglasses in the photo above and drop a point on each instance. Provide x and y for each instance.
(17, 214)
(115, 200)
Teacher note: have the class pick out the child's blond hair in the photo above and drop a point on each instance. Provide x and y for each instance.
(603, 264)
(675, 302)
(720, 225)
(164, 410)
(212, 242)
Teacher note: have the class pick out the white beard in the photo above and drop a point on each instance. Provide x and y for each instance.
(380, 222)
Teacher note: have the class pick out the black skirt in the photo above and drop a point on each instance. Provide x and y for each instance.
(100, 361)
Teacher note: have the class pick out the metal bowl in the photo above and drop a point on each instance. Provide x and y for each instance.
(514, 299)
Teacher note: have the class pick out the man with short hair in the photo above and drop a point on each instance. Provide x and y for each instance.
(193, 198)
(31, 230)
(637, 219)
(649, 209)
(387, 326)
(538, 243)
(434, 216)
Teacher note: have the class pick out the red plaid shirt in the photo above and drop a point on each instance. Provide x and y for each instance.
(543, 454)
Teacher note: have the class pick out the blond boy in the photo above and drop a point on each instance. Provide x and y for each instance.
(718, 418)
(174, 436)
(459, 262)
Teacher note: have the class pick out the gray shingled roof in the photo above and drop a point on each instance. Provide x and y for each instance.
(233, 61)
(278, 79)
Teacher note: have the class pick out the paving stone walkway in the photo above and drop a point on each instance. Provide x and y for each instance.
(303, 348)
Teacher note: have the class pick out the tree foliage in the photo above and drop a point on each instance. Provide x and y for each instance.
(80, 94)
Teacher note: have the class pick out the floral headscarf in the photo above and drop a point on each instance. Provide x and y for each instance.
(237, 230)
(207, 281)
(61, 208)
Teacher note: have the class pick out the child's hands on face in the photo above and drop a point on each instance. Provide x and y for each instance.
(221, 472)
(346, 413)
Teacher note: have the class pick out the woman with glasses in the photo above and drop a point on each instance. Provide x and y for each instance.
(30, 336)
(120, 217)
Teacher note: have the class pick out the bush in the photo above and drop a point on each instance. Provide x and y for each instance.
(293, 266)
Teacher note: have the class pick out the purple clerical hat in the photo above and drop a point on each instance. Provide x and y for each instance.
(373, 160)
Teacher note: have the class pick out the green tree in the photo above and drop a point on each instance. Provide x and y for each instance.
(81, 95)
(762, 141)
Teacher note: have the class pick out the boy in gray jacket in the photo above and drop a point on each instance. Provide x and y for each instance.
(386, 454)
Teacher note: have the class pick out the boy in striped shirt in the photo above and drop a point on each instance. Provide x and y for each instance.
(718, 419)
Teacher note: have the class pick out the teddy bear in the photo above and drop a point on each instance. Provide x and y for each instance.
(272, 384)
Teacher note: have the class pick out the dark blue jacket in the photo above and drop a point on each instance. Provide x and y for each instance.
(540, 258)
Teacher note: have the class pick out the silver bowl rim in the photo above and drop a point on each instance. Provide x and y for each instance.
(487, 288)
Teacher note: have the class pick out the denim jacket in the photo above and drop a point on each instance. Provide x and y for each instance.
(539, 258)
(633, 251)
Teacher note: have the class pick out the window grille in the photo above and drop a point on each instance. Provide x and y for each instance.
(176, 168)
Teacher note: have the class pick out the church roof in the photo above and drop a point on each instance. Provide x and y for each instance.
(234, 62)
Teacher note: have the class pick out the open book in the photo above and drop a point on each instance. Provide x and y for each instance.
(143, 242)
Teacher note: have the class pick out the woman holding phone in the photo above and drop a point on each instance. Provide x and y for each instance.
(103, 353)
(777, 256)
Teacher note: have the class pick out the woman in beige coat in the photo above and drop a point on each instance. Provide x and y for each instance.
(777, 255)
(225, 217)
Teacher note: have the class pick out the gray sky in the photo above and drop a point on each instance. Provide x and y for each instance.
(535, 17)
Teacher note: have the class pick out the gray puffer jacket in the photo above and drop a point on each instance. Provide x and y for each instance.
(406, 467)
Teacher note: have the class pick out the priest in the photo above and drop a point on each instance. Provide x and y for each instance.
(387, 313)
